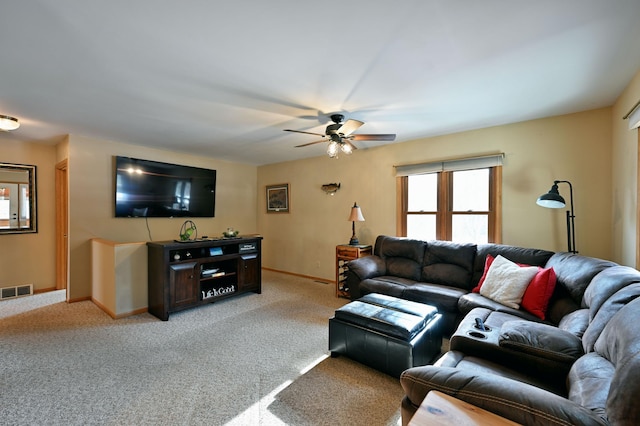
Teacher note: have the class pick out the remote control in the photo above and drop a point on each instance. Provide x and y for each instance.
(480, 324)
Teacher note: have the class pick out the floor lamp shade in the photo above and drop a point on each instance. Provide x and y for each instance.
(553, 200)
(355, 216)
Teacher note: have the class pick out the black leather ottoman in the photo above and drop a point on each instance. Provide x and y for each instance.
(386, 333)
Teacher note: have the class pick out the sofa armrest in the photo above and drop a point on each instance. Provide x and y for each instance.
(513, 400)
(368, 267)
(541, 340)
(362, 268)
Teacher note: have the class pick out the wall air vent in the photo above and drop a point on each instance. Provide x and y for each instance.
(16, 291)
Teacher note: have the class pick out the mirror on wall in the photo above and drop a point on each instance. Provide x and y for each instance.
(18, 199)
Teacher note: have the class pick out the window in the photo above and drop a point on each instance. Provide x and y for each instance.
(458, 201)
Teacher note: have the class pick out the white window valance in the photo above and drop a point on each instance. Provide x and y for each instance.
(450, 165)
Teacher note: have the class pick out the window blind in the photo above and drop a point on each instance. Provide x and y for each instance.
(450, 165)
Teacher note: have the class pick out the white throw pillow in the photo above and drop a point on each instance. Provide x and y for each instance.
(506, 282)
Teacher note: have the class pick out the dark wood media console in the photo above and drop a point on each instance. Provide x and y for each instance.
(184, 275)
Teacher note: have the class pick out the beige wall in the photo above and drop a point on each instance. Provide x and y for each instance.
(625, 187)
(575, 147)
(29, 258)
(119, 277)
(593, 149)
(91, 208)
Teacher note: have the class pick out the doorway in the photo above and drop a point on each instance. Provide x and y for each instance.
(62, 227)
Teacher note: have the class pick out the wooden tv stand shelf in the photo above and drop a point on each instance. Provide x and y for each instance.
(184, 275)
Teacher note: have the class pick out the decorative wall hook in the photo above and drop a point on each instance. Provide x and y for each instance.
(330, 188)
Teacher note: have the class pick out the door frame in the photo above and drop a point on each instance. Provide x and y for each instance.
(62, 226)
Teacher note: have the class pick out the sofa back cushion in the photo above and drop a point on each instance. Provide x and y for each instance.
(607, 380)
(605, 284)
(608, 309)
(449, 264)
(403, 256)
(575, 272)
(619, 343)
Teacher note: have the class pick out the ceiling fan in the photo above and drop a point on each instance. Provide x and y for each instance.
(340, 137)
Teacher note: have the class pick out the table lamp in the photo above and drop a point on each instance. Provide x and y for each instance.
(355, 216)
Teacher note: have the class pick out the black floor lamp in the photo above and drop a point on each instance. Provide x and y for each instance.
(553, 200)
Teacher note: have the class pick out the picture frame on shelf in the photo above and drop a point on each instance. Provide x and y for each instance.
(277, 198)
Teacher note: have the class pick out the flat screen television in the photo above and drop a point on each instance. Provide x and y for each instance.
(146, 188)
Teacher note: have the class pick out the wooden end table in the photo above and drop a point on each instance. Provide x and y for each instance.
(345, 253)
(440, 409)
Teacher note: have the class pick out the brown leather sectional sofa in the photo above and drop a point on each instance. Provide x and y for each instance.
(578, 366)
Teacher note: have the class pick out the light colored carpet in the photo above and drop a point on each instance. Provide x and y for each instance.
(249, 360)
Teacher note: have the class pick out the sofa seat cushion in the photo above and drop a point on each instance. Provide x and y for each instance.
(575, 323)
(470, 301)
(542, 340)
(387, 284)
(442, 296)
(491, 318)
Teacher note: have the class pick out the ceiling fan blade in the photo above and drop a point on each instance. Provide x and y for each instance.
(306, 133)
(378, 137)
(350, 126)
(310, 143)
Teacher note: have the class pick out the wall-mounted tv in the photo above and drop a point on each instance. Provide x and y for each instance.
(146, 188)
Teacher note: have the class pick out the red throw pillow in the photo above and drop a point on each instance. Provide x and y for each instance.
(536, 296)
(487, 264)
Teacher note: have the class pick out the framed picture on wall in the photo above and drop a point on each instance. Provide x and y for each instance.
(278, 198)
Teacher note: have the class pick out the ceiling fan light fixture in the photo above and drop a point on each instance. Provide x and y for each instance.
(346, 148)
(333, 149)
(8, 123)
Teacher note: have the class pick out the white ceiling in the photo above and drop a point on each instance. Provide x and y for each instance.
(224, 78)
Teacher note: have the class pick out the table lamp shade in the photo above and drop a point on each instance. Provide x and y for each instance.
(356, 214)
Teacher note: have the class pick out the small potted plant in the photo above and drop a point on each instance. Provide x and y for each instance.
(230, 233)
